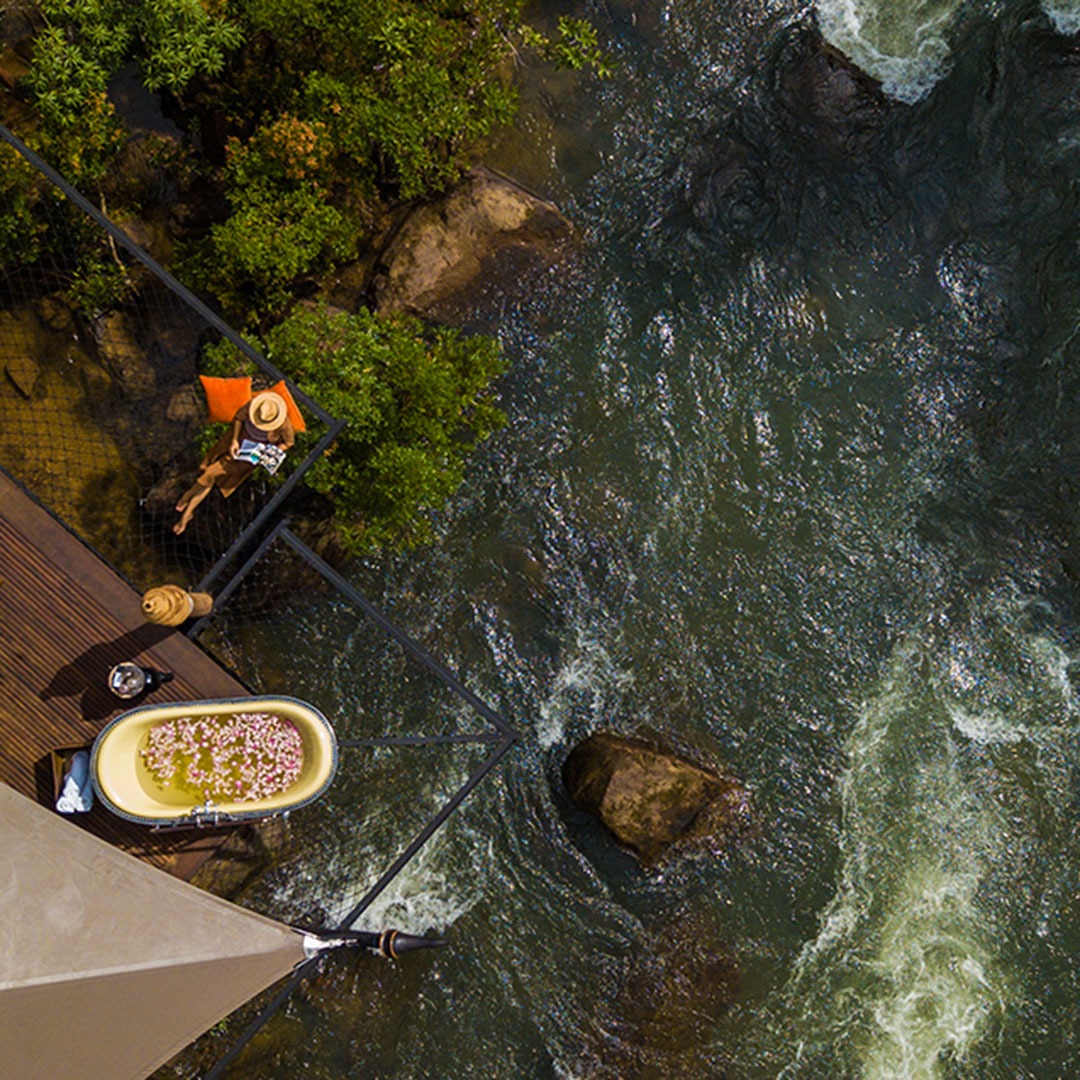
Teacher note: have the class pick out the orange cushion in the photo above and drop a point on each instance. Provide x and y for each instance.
(225, 396)
(296, 417)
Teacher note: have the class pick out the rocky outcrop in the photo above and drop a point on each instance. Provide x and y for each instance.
(650, 798)
(487, 231)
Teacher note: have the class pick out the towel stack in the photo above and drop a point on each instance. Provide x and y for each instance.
(77, 794)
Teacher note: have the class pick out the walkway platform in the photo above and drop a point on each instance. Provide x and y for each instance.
(65, 620)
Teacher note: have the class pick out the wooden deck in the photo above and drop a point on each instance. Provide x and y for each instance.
(65, 620)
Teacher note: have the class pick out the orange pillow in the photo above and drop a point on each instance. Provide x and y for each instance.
(296, 417)
(225, 396)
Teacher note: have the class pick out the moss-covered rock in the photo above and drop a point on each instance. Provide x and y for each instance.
(651, 798)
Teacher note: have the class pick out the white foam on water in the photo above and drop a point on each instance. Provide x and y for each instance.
(939, 984)
(987, 727)
(1055, 664)
(1064, 14)
(428, 895)
(898, 42)
(904, 972)
(589, 678)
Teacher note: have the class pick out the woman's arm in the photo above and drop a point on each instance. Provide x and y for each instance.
(286, 435)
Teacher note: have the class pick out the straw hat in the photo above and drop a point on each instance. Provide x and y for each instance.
(267, 411)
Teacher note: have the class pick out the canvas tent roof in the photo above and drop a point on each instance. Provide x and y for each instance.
(108, 966)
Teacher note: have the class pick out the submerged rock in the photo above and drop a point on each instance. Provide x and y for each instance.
(682, 978)
(667, 1001)
(122, 354)
(836, 108)
(728, 189)
(786, 152)
(487, 230)
(23, 371)
(651, 798)
(54, 313)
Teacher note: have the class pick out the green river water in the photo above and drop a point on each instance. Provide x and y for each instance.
(790, 480)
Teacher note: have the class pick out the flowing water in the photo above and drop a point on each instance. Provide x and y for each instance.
(789, 480)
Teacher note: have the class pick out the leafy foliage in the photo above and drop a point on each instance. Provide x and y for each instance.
(97, 285)
(85, 42)
(79, 132)
(576, 46)
(182, 39)
(283, 224)
(20, 190)
(417, 402)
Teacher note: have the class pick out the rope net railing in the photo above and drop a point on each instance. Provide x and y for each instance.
(415, 742)
(102, 415)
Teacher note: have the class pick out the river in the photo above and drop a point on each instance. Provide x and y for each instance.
(789, 480)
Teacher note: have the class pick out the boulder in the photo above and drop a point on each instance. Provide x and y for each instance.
(96, 382)
(172, 343)
(151, 234)
(487, 231)
(55, 314)
(651, 798)
(185, 406)
(21, 343)
(12, 66)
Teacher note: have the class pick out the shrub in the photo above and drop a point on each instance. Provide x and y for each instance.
(85, 42)
(283, 224)
(20, 229)
(417, 402)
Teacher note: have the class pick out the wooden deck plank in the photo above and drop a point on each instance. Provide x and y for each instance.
(65, 620)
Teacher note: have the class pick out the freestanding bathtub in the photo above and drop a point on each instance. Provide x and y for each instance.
(127, 788)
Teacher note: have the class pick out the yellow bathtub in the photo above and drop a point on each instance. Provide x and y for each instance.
(127, 788)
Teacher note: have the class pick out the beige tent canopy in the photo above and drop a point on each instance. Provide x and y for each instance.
(108, 967)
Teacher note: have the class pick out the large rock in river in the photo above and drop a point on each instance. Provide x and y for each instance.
(652, 798)
(487, 230)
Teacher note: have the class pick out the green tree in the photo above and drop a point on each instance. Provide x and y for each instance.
(283, 225)
(418, 402)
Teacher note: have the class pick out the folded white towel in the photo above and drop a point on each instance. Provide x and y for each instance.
(77, 794)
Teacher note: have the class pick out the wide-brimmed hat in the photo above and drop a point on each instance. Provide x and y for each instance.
(267, 411)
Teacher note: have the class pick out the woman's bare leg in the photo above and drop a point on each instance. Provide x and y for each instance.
(190, 505)
(188, 495)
